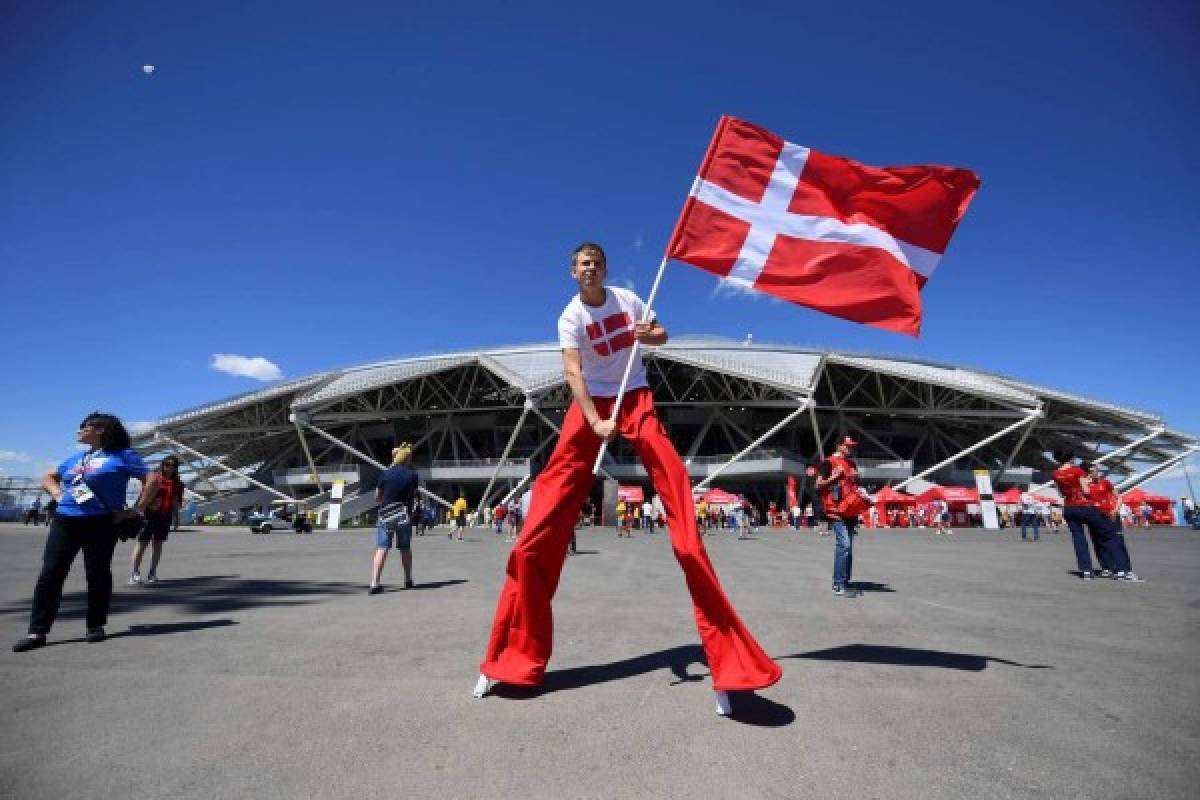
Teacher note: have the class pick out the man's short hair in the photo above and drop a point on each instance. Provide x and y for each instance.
(588, 247)
(1063, 454)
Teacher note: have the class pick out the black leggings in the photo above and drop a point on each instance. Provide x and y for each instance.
(95, 536)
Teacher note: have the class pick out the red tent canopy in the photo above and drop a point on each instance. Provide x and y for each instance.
(630, 494)
(951, 494)
(889, 496)
(719, 497)
(1139, 496)
(1048, 500)
(1008, 497)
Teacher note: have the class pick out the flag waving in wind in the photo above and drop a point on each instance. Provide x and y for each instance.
(821, 231)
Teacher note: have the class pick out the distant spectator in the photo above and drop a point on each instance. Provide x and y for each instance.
(163, 496)
(34, 514)
(396, 495)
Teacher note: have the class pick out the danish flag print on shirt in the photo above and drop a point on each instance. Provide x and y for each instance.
(821, 231)
(611, 335)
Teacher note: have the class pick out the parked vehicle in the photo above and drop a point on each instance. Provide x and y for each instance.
(265, 523)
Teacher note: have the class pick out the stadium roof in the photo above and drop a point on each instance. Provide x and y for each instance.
(846, 389)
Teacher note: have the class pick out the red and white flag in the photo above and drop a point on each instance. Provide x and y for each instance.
(821, 231)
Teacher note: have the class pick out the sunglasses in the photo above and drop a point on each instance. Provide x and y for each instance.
(93, 425)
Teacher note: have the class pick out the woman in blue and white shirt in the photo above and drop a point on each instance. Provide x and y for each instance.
(90, 490)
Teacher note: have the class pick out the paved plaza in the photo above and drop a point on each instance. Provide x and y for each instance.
(973, 666)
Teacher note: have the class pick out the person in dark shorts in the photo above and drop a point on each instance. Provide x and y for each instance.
(396, 495)
(164, 494)
(459, 512)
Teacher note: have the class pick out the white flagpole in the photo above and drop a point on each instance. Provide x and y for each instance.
(633, 354)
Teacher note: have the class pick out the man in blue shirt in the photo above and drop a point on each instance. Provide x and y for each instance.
(396, 495)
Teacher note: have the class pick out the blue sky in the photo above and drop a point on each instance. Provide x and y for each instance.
(322, 184)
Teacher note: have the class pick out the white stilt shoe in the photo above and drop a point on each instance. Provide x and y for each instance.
(483, 686)
(723, 706)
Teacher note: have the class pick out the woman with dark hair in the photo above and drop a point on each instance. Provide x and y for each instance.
(90, 490)
(160, 503)
(1079, 512)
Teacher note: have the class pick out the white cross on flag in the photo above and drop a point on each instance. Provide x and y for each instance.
(821, 231)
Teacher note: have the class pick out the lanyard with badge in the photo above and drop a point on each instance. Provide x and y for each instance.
(79, 488)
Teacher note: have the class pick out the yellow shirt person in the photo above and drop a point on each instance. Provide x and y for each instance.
(459, 513)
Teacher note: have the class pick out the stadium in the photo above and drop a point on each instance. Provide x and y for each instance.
(477, 419)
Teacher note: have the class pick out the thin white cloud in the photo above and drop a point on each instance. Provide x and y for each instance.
(20, 456)
(256, 367)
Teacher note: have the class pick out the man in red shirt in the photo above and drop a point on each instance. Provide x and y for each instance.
(1105, 497)
(1079, 512)
(836, 482)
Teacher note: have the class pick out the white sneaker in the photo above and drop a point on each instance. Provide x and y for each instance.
(723, 707)
(483, 686)
(151, 578)
(134, 579)
(1131, 577)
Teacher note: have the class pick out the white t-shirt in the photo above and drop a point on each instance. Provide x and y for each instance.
(603, 336)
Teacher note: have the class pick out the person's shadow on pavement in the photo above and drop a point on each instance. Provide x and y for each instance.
(748, 707)
(909, 657)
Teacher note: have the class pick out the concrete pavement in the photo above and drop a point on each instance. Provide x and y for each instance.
(973, 666)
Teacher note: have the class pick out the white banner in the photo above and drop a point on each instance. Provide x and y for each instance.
(335, 505)
(987, 506)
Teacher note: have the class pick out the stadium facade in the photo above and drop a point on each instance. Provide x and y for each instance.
(477, 418)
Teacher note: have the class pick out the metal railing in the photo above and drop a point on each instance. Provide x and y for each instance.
(322, 469)
(758, 454)
(443, 463)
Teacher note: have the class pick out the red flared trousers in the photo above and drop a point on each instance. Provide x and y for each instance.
(523, 630)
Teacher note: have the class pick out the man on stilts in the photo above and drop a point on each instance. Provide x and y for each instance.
(596, 331)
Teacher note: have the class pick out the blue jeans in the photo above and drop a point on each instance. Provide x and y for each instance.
(1079, 517)
(843, 551)
(1031, 519)
(1118, 552)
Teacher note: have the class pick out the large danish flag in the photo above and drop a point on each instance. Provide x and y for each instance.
(854, 241)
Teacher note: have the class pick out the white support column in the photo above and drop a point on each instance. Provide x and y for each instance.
(699, 440)
(812, 417)
(507, 449)
(1129, 447)
(1013, 454)
(1141, 478)
(336, 441)
(309, 458)
(804, 404)
(524, 480)
(1111, 454)
(1032, 416)
(819, 373)
(224, 468)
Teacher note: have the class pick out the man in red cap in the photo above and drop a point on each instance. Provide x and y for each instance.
(837, 485)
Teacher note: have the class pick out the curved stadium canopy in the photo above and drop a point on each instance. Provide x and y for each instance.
(477, 417)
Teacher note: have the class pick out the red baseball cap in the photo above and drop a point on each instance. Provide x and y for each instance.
(848, 442)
